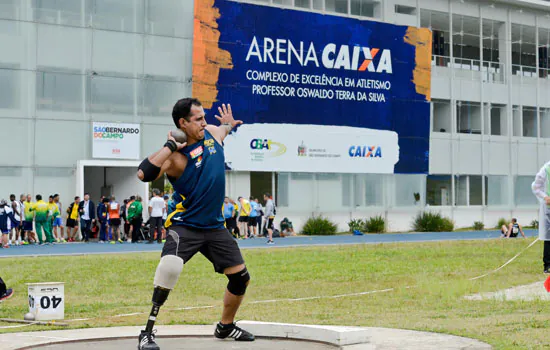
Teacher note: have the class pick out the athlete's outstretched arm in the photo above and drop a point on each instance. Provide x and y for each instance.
(156, 164)
(227, 122)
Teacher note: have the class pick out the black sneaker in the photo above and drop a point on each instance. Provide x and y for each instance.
(7, 295)
(232, 331)
(147, 341)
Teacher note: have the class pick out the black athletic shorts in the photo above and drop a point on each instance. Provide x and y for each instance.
(114, 222)
(155, 222)
(72, 223)
(252, 221)
(243, 218)
(270, 224)
(218, 246)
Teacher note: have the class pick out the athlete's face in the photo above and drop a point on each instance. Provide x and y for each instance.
(28, 198)
(194, 128)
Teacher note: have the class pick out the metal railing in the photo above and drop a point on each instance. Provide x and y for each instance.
(465, 68)
(524, 74)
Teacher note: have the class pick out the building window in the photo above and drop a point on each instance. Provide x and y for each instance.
(9, 87)
(516, 121)
(124, 16)
(302, 3)
(408, 190)
(496, 117)
(283, 2)
(530, 123)
(545, 122)
(468, 117)
(442, 115)
(110, 95)
(476, 192)
(157, 95)
(523, 195)
(283, 184)
(363, 8)
(338, 6)
(405, 10)
(461, 190)
(318, 4)
(65, 12)
(59, 91)
(496, 189)
(438, 190)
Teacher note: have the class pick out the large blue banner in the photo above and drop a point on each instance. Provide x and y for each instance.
(279, 66)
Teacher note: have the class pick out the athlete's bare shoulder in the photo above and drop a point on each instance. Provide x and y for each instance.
(175, 165)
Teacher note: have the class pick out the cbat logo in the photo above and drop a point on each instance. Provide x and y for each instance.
(365, 151)
(333, 56)
(276, 148)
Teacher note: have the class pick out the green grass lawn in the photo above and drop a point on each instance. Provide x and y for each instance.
(103, 286)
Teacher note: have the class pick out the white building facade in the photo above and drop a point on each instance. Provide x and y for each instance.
(66, 64)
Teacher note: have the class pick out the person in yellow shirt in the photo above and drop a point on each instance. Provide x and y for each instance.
(28, 221)
(41, 217)
(72, 219)
(244, 212)
(53, 213)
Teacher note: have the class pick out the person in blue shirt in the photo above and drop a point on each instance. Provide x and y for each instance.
(229, 213)
(195, 168)
(102, 217)
(252, 218)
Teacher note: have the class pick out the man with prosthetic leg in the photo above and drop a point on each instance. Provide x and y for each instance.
(195, 223)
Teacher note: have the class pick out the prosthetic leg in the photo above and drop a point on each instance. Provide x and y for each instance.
(166, 277)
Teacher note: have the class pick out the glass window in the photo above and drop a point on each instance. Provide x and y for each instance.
(523, 195)
(496, 188)
(165, 18)
(283, 182)
(441, 116)
(317, 4)
(117, 15)
(405, 10)
(9, 87)
(301, 193)
(438, 190)
(365, 8)
(329, 189)
(369, 190)
(58, 91)
(302, 3)
(461, 194)
(475, 190)
(408, 189)
(66, 12)
(283, 2)
(530, 124)
(468, 117)
(157, 96)
(110, 95)
(10, 9)
(347, 186)
(339, 6)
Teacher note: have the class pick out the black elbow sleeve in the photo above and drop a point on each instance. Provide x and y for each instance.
(150, 171)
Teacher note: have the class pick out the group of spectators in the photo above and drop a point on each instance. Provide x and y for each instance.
(247, 218)
(25, 222)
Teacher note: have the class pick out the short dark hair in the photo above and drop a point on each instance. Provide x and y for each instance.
(125, 201)
(56, 195)
(132, 198)
(51, 196)
(182, 109)
(105, 200)
(87, 193)
(76, 197)
(12, 197)
(514, 220)
(38, 197)
(267, 195)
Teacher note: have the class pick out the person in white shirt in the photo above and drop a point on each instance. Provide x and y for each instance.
(157, 208)
(16, 225)
(541, 190)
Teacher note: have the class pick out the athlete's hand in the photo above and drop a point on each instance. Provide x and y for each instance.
(180, 145)
(226, 116)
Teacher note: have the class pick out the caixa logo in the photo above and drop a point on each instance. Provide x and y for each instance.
(272, 148)
(365, 151)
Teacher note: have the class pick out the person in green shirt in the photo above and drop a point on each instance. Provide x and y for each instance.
(41, 218)
(53, 212)
(135, 217)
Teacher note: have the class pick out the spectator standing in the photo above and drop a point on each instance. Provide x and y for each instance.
(53, 213)
(6, 215)
(124, 220)
(156, 210)
(114, 219)
(102, 217)
(252, 218)
(244, 212)
(229, 212)
(41, 217)
(86, 210)
(58, 222)
(269, 216)
(16, 225)
(72, 219)
(135, 217)
(259, 218)
(21, 228)
(541, 190)
(29, 218)
(164, 217)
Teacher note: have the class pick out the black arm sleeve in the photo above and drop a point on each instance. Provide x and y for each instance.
(150, 171)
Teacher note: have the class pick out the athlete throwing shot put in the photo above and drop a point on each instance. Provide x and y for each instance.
(195, 222)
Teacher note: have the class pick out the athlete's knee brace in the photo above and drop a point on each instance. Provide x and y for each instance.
(238, 282)
(166, 277)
